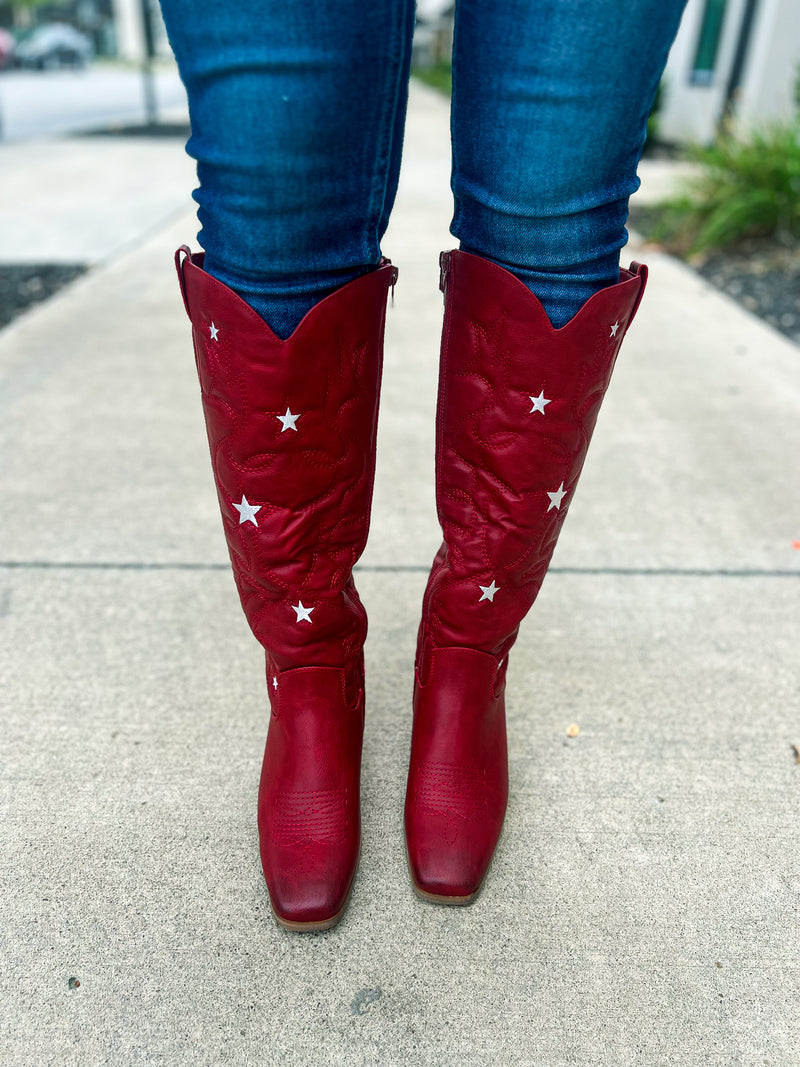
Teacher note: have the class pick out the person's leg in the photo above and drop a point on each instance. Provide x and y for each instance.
(550, 105)
(549, 111)
(297, 112)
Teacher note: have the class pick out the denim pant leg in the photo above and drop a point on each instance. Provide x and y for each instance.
(297, 110)
(550, 105)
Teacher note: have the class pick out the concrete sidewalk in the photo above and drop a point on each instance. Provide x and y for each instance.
(87, 199)
(643, 904)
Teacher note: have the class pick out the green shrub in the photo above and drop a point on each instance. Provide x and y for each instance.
(654, 119)
(439, 76)
(748, 187)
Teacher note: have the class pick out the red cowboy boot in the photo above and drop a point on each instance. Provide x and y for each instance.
(517, 404)
(291, 425)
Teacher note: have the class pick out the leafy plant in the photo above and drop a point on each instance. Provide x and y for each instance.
(439, 76)
(654, 118)
(748, 187)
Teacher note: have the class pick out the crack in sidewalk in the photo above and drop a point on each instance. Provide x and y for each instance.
(622, 572)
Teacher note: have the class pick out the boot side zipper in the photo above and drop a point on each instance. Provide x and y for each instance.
(444, 270)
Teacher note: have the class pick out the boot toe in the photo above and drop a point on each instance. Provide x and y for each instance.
(308, 890)
(446, 862)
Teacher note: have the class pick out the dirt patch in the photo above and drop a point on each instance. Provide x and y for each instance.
(25, 284)
(759, 274)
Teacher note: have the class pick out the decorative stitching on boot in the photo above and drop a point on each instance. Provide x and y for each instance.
(450, 789)
(304, 816)
(497, 467)
(323, 528)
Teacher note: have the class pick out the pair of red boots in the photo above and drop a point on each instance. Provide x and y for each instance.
(291, 426)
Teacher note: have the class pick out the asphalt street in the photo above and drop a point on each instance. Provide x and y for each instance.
(45, 103)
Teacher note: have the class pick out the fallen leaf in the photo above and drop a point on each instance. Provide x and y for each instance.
(573, 730)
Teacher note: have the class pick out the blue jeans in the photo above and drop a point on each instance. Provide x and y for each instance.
(298, 107)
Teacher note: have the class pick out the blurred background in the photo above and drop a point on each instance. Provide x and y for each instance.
(71, 66)
(721, 173)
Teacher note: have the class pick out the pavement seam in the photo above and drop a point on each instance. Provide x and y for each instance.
(622, 572)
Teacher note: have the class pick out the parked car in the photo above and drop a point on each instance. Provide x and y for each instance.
(54, 45)
(7, 46)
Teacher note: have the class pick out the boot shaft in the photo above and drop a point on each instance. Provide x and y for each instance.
(518, 401)
(291, 429)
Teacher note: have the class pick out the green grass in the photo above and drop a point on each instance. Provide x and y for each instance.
(749, 187)
(438, 77)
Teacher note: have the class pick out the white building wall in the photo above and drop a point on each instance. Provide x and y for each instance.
(691, 112)
(768, 83)
(130, 30)
(128, 26)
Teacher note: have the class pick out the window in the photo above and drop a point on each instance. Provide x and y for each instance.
(708, 42)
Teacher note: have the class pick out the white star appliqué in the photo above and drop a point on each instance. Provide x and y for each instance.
(614, 329)
(288, 421)
(303, 614)
(539, 403)
(213, 330)
(247, 512)
(488, 591)
(557, 497)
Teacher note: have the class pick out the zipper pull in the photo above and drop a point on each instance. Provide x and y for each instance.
(395, 273)
(444, 268)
